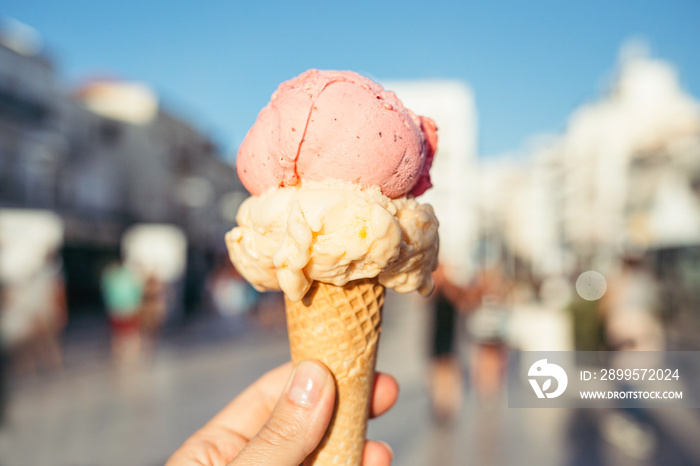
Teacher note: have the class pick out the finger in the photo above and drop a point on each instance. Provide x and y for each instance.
(377, 454)
(385, 393)
(298, 421)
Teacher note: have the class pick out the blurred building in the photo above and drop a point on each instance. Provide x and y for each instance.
(105, 157)
(630, 174)
(29, 137)
(516, 215)
(618, 153)
(623, 180)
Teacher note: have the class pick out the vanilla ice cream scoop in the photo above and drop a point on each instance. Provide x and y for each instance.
(337, 125)
(333, 232)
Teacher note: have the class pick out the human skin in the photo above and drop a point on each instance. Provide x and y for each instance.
(260, 427)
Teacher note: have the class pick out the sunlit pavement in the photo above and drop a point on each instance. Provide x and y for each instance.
(95, 414)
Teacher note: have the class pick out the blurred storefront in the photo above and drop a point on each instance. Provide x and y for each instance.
(103, 158)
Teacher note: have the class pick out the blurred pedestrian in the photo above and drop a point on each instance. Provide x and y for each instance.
(630, 308)
(445, 371)
(588, 324)
(123, 291)
(230, 294)
(34, 314)
(488, 327)
(152, 310)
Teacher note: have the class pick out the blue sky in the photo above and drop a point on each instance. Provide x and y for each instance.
(528, 62)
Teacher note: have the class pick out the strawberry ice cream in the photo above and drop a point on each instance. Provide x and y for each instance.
(337, 125)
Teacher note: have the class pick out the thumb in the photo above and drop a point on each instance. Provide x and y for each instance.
(298, 422)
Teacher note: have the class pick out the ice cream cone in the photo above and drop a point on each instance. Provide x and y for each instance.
(340, 326)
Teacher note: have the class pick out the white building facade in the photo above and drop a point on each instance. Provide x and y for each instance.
(454, 173)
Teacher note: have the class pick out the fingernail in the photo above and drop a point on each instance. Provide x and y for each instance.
(307, 384)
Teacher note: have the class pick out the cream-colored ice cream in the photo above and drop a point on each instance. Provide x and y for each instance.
(333, 232)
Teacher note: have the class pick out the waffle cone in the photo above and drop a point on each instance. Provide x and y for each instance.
(340, 326)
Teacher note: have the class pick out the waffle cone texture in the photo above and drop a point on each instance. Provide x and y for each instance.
(340, 326)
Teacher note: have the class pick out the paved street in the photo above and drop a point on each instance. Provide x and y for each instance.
(92, 414)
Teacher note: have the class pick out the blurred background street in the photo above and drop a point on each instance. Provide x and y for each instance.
(566, 183)
(97, 413)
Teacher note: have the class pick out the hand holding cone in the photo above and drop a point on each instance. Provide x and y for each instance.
(340, 327)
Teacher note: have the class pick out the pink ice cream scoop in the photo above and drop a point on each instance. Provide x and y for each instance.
(337, 125)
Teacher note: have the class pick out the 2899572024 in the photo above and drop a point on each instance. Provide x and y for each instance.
(639, 374)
